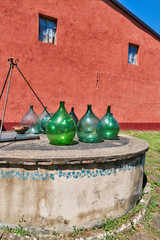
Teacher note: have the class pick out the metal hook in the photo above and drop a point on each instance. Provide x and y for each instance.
(11, 61)
(16, 61)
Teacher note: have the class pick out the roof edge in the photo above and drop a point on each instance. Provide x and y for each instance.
(136, 18)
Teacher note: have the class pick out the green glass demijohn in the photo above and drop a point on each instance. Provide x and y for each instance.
(41, 116)
(73, 115)
(61, 128)
(110, 125)
(89, 128)
(35, 128)
(31, 120)
(44, 113)
(44, 122)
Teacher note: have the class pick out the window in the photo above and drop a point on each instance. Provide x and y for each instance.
(47, 30)
(132, 53)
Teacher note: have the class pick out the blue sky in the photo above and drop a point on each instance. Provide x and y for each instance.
(148, 11)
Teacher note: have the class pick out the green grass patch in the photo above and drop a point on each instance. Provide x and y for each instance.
(152, 168)
(19, 230)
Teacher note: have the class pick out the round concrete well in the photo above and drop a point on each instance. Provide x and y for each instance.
(58, 187)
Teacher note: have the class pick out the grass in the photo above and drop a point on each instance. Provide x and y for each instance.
(152, 170)
(18, 230)
(77, 231)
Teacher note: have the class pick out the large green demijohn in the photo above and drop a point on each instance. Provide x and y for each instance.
(61, 128)
(89, 128)
(110, 125)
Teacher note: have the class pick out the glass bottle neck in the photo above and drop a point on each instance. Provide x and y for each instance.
(62, 103)
(31, 107)
(109, 109)
(89, 108)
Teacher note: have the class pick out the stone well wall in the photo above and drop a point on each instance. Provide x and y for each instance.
(58, 188)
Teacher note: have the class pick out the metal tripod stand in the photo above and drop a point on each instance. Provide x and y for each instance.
(9, 74)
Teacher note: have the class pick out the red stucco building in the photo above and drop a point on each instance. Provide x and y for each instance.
(99, 53)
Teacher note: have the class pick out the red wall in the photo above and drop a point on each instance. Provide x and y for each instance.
(88, 65)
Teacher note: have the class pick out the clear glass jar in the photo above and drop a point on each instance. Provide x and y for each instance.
(31, 120)
(89, 128)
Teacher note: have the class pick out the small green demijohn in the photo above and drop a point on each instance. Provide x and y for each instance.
(44, 121)
(44, 113)
(73, 115)
(41, 116)
(110, 125)
(89, 128)
(61, 128)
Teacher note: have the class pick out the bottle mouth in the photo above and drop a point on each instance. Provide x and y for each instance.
(89, 106)
(108, 109)
(62, 102)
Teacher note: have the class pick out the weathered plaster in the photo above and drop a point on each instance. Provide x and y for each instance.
(63, 194)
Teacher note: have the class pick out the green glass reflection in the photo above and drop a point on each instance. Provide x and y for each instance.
(73, 115)
(110, 125)
(89, 128)
(61, 127)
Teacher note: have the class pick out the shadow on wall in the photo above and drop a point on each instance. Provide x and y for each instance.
(144, 180)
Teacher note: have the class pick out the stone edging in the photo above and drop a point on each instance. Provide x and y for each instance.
(93, 236)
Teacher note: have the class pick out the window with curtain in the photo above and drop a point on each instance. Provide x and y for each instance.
(132, 53)
(47, 30)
